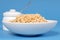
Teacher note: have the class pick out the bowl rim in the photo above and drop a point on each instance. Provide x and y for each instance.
(49, 21)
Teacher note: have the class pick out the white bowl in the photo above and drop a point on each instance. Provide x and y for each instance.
(30, 28)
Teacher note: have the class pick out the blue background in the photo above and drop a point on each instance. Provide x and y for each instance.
(50, 9)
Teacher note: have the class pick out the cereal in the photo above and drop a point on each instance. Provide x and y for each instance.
(29, 18)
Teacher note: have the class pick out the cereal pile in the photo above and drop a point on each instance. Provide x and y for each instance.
(29, 18)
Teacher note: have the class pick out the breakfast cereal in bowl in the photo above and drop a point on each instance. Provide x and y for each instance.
(30, 24)
(29, 18)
